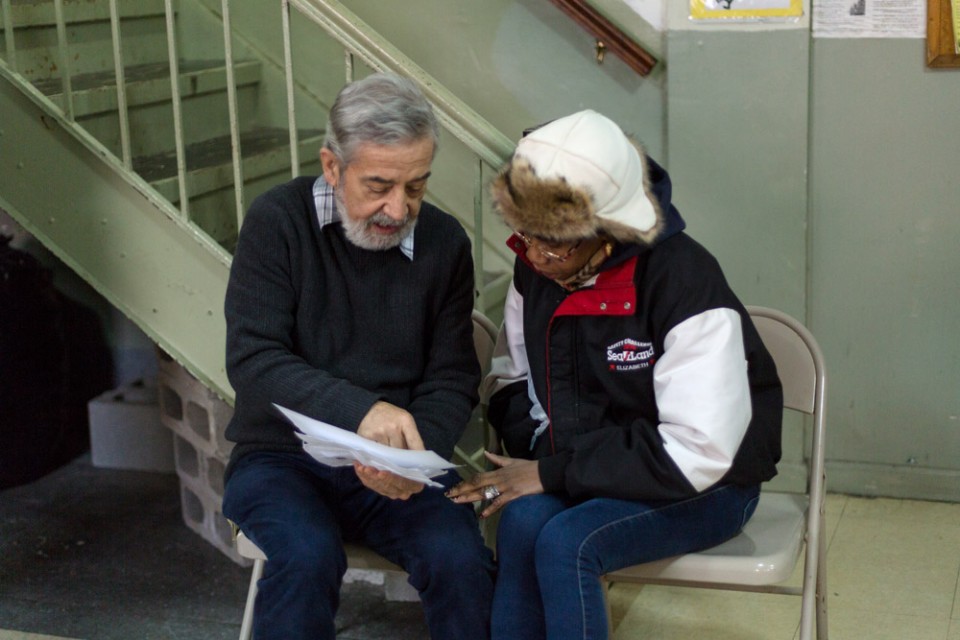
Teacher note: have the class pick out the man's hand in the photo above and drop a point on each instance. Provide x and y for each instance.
(385, 483)
(389, 424)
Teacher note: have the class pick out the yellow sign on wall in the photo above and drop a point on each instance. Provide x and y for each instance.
(746, 9)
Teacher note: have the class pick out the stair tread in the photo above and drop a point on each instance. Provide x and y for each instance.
(41, 13)
(217, 151)
(132, 74)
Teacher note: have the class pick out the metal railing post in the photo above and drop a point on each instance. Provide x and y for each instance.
(121, 86)
(234, 117)
(177, 115)
(291, 108)
(8, 35)
(478, 277)
(64, 56)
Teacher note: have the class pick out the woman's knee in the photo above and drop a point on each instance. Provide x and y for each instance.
(523, 519)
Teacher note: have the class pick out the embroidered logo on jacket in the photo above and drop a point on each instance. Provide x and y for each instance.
(630, 355)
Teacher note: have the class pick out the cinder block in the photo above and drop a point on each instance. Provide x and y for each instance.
(201, 496)
(126, 431)
(202, 514)
(191, 410)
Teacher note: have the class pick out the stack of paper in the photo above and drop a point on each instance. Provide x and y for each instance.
(337, 447)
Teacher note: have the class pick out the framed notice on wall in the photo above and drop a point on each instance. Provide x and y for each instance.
(745, 9)
(943, 34)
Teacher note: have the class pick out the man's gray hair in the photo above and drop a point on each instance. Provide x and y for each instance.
(381, 109)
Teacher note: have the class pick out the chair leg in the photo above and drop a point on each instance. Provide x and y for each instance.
(606, 584)
(246, 627)
(822, 594)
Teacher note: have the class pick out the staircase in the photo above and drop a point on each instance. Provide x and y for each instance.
(100, 175)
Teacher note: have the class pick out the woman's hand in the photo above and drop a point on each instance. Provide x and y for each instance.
(514, 478)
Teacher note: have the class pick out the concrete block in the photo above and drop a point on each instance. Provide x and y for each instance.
(126, 431)
(202, 514)
(191, 410)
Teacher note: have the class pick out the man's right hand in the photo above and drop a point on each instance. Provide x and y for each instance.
(389, 424)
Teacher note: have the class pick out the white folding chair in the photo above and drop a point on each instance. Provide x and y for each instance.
(765, 553)
(358, 556)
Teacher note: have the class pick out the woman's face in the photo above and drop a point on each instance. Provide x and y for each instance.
(559, 260)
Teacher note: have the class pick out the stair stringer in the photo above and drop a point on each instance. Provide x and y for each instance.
(114, 231)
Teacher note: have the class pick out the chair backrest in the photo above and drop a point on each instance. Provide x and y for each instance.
(800, 366)
(484, 340)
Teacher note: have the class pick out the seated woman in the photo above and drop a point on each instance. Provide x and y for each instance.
(637, 403)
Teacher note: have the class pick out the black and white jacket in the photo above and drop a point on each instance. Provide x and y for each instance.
(649, 383)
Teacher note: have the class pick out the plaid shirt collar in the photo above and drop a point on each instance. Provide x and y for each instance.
(327, 213)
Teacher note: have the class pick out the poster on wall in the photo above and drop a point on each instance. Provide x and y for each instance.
(745, 9)
(870, 19)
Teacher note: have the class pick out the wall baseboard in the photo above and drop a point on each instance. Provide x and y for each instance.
(893, 481)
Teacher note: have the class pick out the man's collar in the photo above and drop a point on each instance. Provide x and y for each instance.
(323, 198)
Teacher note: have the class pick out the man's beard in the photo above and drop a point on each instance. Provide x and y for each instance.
(360, 232)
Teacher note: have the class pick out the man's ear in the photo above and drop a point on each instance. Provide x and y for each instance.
(331, 166)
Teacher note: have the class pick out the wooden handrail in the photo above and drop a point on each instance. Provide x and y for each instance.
(608, 35)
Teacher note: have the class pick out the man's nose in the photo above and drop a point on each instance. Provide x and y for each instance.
(397, 205)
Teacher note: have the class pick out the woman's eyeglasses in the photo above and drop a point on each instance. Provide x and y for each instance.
(538, 244)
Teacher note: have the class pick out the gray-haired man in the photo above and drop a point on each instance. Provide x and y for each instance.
(349, 301)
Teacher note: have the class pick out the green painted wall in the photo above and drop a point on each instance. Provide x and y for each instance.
(885, 299)
(519, 63)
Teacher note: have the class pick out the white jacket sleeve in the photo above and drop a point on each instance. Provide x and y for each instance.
(703, 394)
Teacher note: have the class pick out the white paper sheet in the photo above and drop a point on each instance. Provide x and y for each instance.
(337, 447)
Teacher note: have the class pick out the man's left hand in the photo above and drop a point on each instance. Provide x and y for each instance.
(387, 484)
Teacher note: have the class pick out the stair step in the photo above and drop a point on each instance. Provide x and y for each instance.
(147, 83)
(41, 13)
(265, 150)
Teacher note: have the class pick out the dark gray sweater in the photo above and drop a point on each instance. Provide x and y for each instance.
(322, 327)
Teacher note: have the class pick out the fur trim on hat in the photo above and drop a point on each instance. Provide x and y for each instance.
(553, 209)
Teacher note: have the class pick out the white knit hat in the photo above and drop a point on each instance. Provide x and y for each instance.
(575, 177)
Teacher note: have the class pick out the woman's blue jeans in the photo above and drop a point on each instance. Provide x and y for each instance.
(551, 553)
(299, 512)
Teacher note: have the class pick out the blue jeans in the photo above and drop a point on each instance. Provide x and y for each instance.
(552, 551)
(299, 512)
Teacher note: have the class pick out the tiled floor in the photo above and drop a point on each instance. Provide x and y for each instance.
(893, 573)
(96, 554)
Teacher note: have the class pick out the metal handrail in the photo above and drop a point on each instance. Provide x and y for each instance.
(360, 44)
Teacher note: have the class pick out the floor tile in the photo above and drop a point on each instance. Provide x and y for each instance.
(674, 613)
(892, 557)
(955, 613)
(854, 624)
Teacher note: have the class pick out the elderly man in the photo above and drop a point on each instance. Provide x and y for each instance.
(349, 301)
